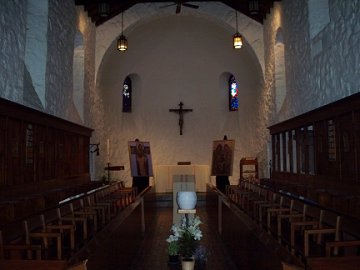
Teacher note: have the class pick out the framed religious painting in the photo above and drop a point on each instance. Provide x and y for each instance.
(140, 159)
(222, 157)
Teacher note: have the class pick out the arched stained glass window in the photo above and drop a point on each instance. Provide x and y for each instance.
(233, 94)
(127, 95)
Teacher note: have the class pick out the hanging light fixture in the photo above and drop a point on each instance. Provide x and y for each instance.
(237, 38)
(104, 9)
(122, 44)
(254, 7)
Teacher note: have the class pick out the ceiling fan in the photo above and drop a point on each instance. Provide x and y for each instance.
(178, 5)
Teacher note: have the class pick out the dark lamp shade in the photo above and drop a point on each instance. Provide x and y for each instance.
(104, 9)
(237, 40)
(122, 43)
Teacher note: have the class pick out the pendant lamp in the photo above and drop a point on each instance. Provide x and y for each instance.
(122, 43)
(104, 9)
(237, 38)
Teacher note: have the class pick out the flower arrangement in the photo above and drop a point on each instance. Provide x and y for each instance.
(186, 236)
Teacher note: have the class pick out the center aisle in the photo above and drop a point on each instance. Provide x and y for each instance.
(153, 252)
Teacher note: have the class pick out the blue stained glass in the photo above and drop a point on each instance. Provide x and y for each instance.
(233, 94)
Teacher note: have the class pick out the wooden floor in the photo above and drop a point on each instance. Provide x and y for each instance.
(125, 248)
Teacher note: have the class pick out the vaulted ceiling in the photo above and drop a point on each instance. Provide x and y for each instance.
(102, 10)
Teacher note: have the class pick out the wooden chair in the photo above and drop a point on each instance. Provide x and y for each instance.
(285, 206)
(103, 209)
(33, 230)
(329, 246)
(320, 231)
(66, 216)
(259, 195)
(118, 196)
(24, 251)
(316, 227)
(50, 223)
(313, 221)
(293, 215)
(273, 202)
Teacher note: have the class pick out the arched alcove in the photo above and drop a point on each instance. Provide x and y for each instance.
(187, 63)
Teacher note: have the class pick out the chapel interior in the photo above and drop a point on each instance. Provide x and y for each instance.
(83, 82)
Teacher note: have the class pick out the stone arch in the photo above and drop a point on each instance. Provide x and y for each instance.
(251, 30)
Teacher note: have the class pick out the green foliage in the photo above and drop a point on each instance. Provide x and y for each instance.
(186, 236)
(173, 248)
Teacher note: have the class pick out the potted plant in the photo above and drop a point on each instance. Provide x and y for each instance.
(187, 235)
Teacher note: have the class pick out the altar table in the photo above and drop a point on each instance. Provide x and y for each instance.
(164, 176)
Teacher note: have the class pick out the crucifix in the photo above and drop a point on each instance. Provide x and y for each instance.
(181, 112)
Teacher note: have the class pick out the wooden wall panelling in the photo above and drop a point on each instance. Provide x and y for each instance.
(346, 149)
(29, 170)
(39, 152)
(3, 153)
(49, 153)
(60, 154)
(14, 166)
(356, 129)
(321, 146)
(39, 148)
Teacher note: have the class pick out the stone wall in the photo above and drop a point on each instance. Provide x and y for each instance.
(18, 84)
(321, 66)
(12, 44)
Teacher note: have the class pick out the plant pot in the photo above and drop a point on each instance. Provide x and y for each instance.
(187, 264)
(186, 200)
(173, 259)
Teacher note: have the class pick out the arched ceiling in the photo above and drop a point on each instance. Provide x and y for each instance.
(101, 11)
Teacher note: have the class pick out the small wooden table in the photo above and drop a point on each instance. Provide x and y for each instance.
(186, 212)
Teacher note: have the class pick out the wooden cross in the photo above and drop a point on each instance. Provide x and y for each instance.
(181, 112)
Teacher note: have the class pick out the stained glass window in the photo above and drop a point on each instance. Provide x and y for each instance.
(127, 95)
(233, 94)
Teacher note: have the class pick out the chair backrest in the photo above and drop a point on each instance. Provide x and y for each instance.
(78, 266)
(287, 266)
